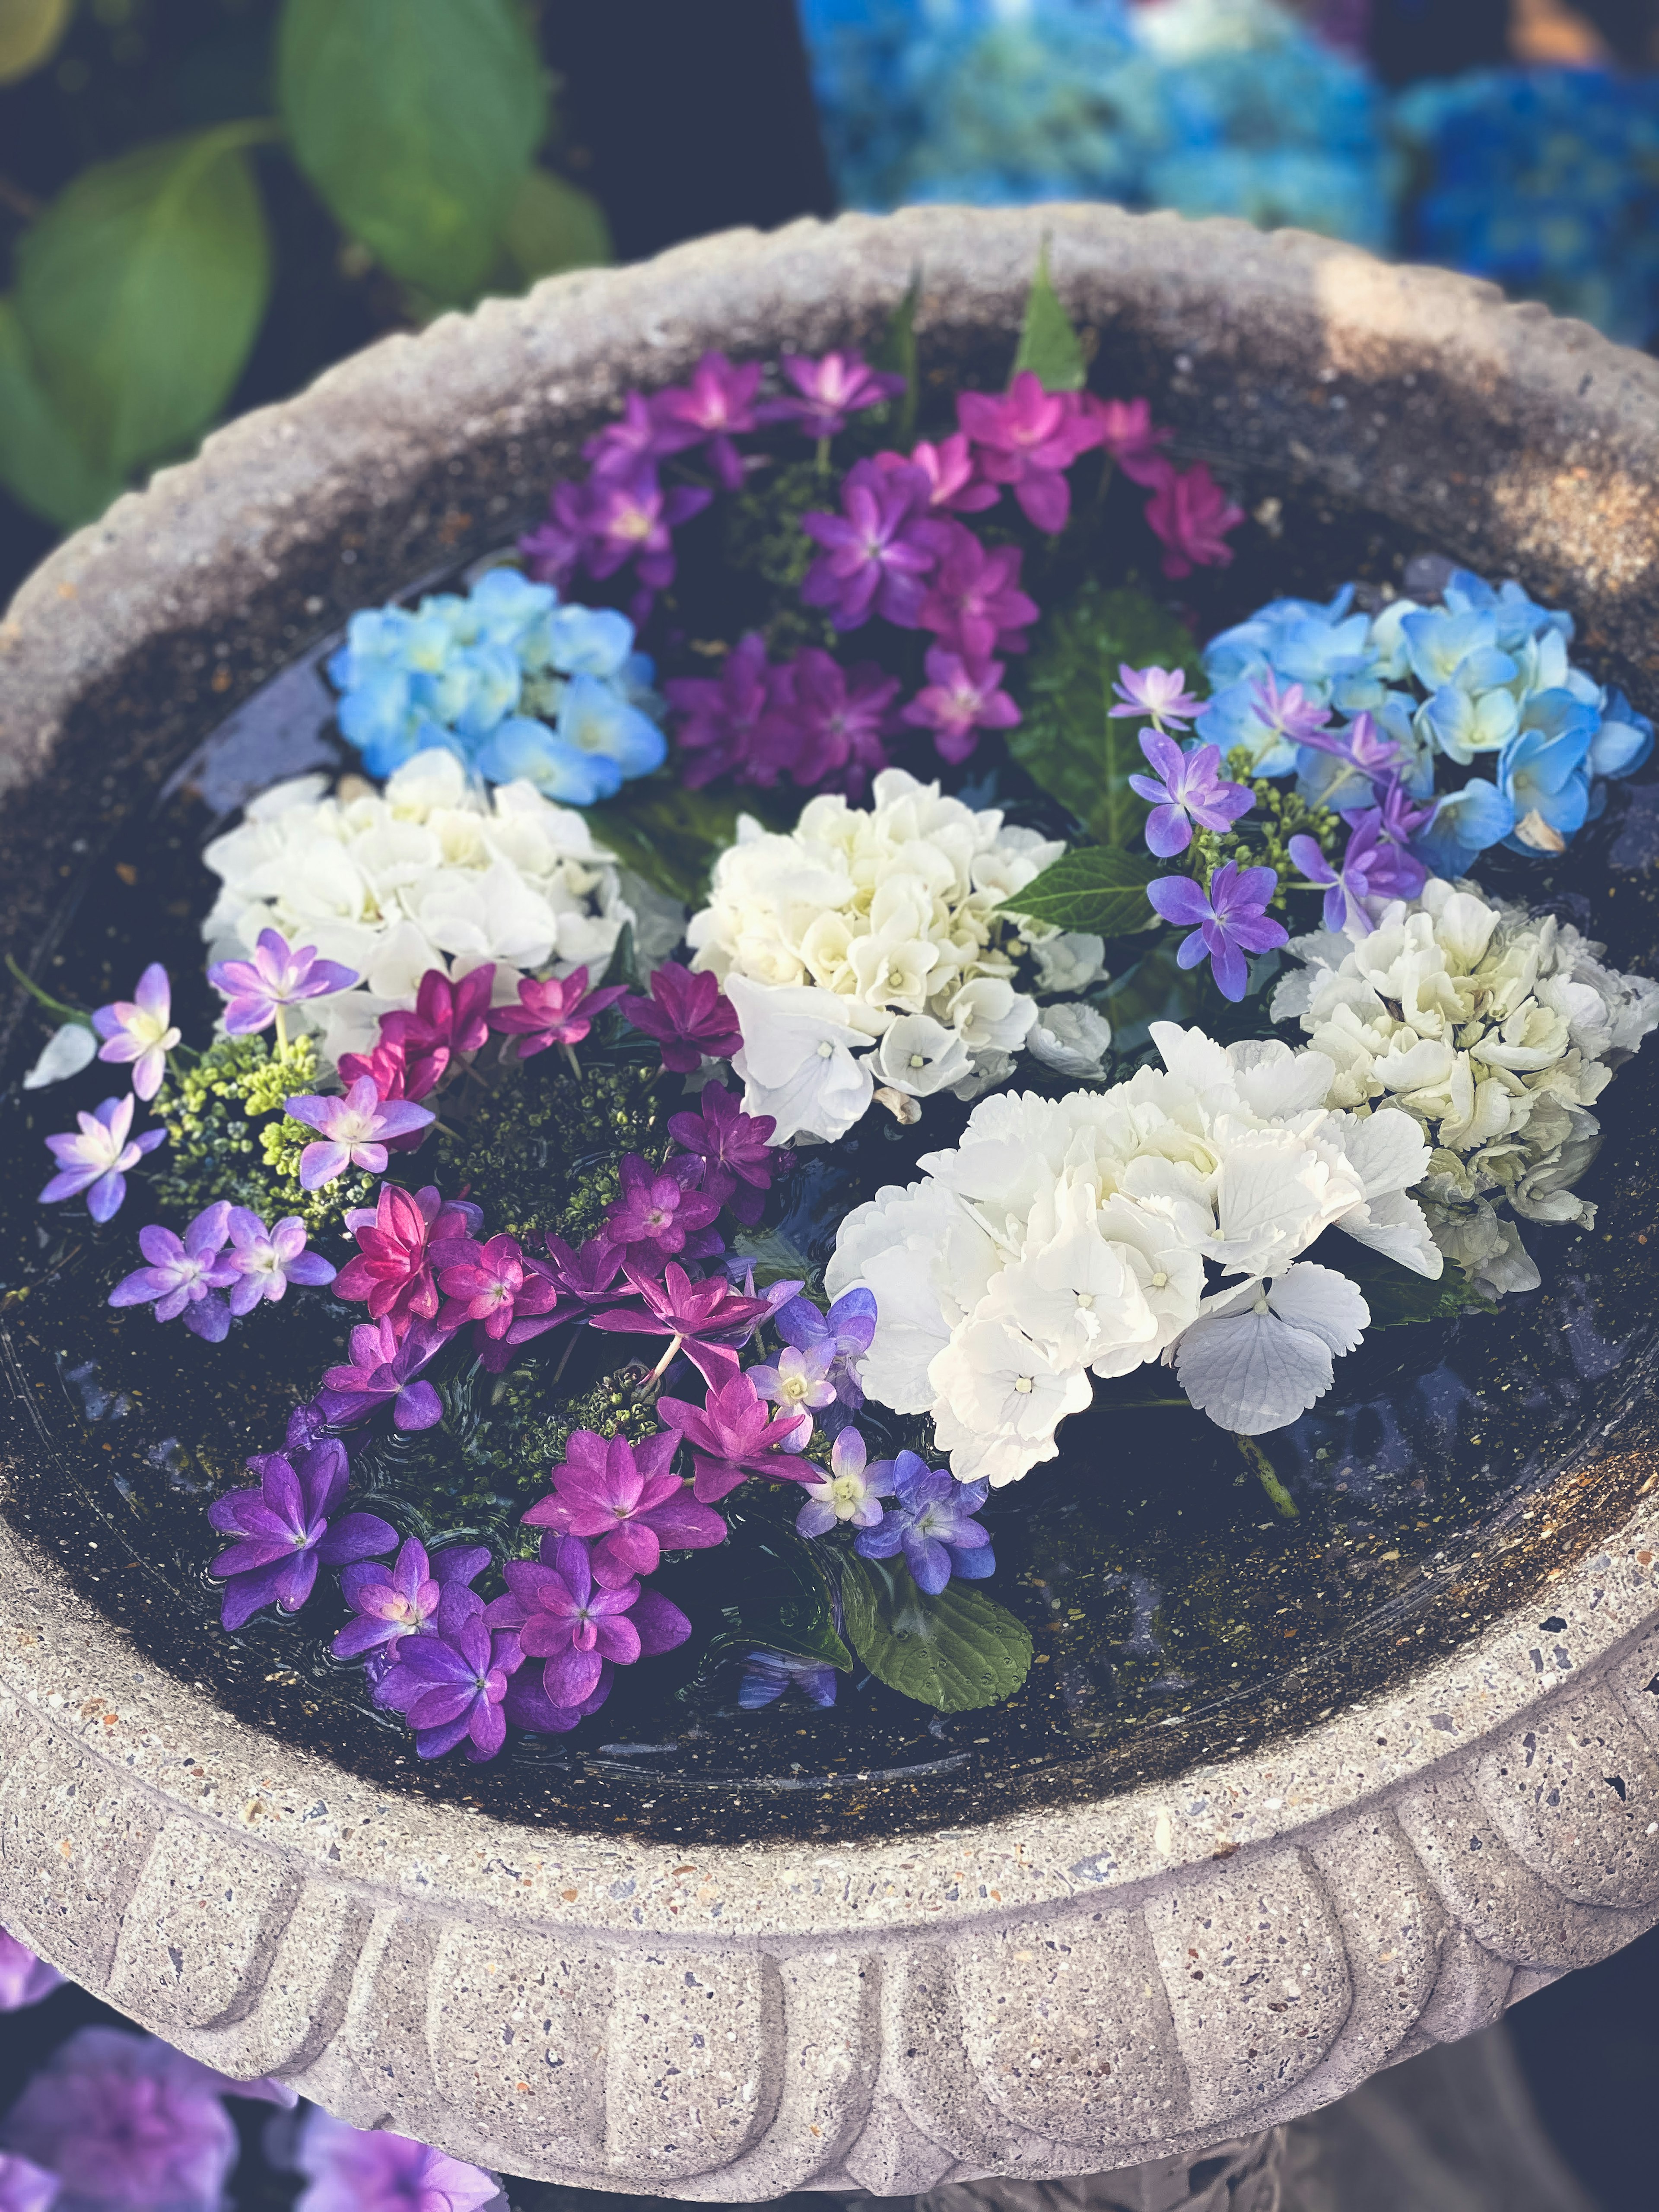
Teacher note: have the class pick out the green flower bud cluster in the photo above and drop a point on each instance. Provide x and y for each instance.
(229, 1136)
(764, 540)
(1262, 838)
(540, 1152)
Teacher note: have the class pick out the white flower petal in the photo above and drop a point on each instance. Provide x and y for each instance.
(65, 1052)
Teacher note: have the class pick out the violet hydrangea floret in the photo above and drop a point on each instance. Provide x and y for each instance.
(256, 990)
(288, 1525)
(561, 1615)
(852, 1490)
(687, 1014)
(827, 390)
(1160, 694)
(961, 697)
(95, 1158)
(734, 1434)
(848, 1330)
(450, 1687)
(561, 1010)
(798, 1381)
(767, 1675)
(660, 1212)
(184, 1275)
(1186, 788)
(738, 1156)
(267, 1261)
(354, 1131)
(1228, 921)
(385, 1371)
(140, 1030)
(974, 602)
(877, 552)
(626, 1498)
(932, 1523)
(416, 1594)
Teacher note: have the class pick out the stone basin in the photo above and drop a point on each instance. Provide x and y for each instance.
(1053, 1983)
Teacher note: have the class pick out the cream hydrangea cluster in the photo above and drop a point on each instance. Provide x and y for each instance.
(1063, 1239)
(431, 871)
(866, 950)
(1497, 1029)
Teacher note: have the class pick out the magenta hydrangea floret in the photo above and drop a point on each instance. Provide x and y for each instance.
(1228, 921)
(877, 551)
(1191, 514)
(560, 1010)
(184, 1275)
(1028, 438)
(660, 1210)
(688, 1015)
(827, 390)
(720, 714)
(1159, 693)
(561, 1614)
(1186, 788)
(734, 1434)
(354, 1131)
(825, 725)
(735, 1148)
(140, 1030)
(494, 1285)
(974, 604)
(628, 1496)
(256, 990)
(96, 1157)
(960, 698)
(384, 1370)
(955, 481)
(714, 407)
(709, 1320)
(284, 1532)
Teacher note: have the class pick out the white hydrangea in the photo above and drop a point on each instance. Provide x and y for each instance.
(431, 872)
(885, 919)
(1497, 1029)
(1070, 1237)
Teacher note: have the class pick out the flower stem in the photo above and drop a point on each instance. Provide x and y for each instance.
(1262, 1467)
(661, 1368)
(575, 1065)
(44, 997)
(823, 456)
(282, 1030)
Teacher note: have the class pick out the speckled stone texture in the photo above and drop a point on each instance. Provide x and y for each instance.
(1133, 1980)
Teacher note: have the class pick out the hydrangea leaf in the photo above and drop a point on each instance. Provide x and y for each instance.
(1069, 741)
(140, 291)
(553, 225)
(672, 835)
(1047, 344)
(786, 1604)
(956, 1652)
(1399, 1299)
(1094, 888)
(416, 120)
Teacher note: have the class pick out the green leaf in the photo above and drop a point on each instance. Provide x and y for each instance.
(416, 120)
(552, 226)
(140, 291)
(776, 1258)
(1094, 889)
(1047, 344)
(787, 1605)
(671, 835)
(897, 353)
(40, 462)
(1069, 741)
(1399, 1298)
(29, 33)
(956, 1652)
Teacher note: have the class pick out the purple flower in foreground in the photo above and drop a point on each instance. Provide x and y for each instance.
(831, 388)
(688, 1015)
(561, 1614)
(184, 1274)
(735, 1148)
(24, 1979)
(825, 725)
(733, 1434)
(847, 1329)
(721, 713)
(371, 2169)
(494, 1285)
(933, 1524)
(451, 1687)
(97, 1159)
(719, 401)
(1231, 920)
(709, 1320)
(283, 1533)
(383, 1371)
(1188, 787)
(975, 604)
(267, 1261)
(560, 1010)
(798, 1381)
(767, 1675)
(626, 1496)
(877, 551)
(661, 1210)
(257, 990)
(128, 2125)
(24, 2186)
(1161, 693)
(1289, 714)
(354, 1131)
(411, 1596)
(1373, 867)
(140, 1029)
(852, 1490)
(960, 698)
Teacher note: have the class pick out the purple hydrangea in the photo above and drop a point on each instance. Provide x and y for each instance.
(626, 1496)
(660, 1210)
(277, 976)
(385, 1370)
(451, 1686)
(734, 1434)
(847, 1329)
(707, 1320)
(974, 602)
(852, 1490)
(24, 2186)
(1228, 922)
(413, 1594)
(370, 2170)
(830, 389)
(283, 1534)
(932, 1523)
(877, 551)
(267, 1261)
(24, 1979)
(1372, 867)
(561, 1614)
(140, 1030)
(1028, 438)
(354, 1131)
(1291, 714)
(96, 1159)
(689, 1016)
(720, 714)
(825, 724)
(494, 1285)
(960, 698)
(1186, 788)
(797, 1382)
(735, 1148)
(1159, 693)
(559, 1011)
(186, 1275)
(717, 404)
(587, 1277)
(767, 1675)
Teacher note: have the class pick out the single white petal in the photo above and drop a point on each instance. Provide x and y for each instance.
(1252, 1372)
(1395, 1225)
(1324, 1302)
(65, 1052)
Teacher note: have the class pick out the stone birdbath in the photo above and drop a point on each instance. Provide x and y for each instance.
(866, 1981)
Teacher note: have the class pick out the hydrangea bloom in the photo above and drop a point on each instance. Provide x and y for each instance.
(797, 1382)
(1192, 515)
(825, 725)
(283, 1534)
(413, 1595)
(257, 992)
(709, 1320)
(1186, 788)
(689, 1016)
(627, 1497)
(734, 1434)
(392, 1270)
(96, 1159)
(417, 1048)
(561, 1011)
(734, 1147)
(845, 1333)
(141, 1030)
(1159, 693)
(1228, 921)
(877, 551)
(451, 1687)
(1028, 438)
(828, 390)
(24, 2186)
(267, 1261)
(851, 1490)
(354, 1131)
(660, 1210)
(351, 2169)
(960, 698)
(495, 1285)
(560, 1614)
(24, 1980)
(932, 1523)
(184, 1275)
(767, 1675)
(720, 715)
(974, 602)
(384, 1370)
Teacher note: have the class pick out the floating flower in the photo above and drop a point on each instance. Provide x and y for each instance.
(451, 1687)
(96, 1160)
(1187, 788)
(1028, 438)
(371, 2169)
(1160, 693)
(355, 1131)
(1073, 1039)
(24, 1979)
(283, 1533)
(493, 1285)
(846, 1332)
(933, 1524)
(960, 698)
(709, 1320)
(974, 602)
(628, 516)
(798, 1381)
(185, 1274)
(140, 1029)
(688, 1015)
(830, 389)
(384, 1370)
(561, 1615)
(1261, 1353)
(267, 1261)
(824, 724)
(413, 1594)
(767, 1675)
(717, 404)
(561, 1011)
(802, 1061)
(1130, 436)
(736, 1148)
(257, 991)
(1192, 515)
(852, 1490)
(587, 1277)
(876, 551)
(660, 1210)
(1228, 921)
(393, 1266)
(626, 1496)
(734, 1434)
(449, 1018)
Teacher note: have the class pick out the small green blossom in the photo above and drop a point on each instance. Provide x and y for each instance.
(1262, 838)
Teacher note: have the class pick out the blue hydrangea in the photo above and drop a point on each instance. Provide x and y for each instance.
(515, 681)
(1481, 681)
